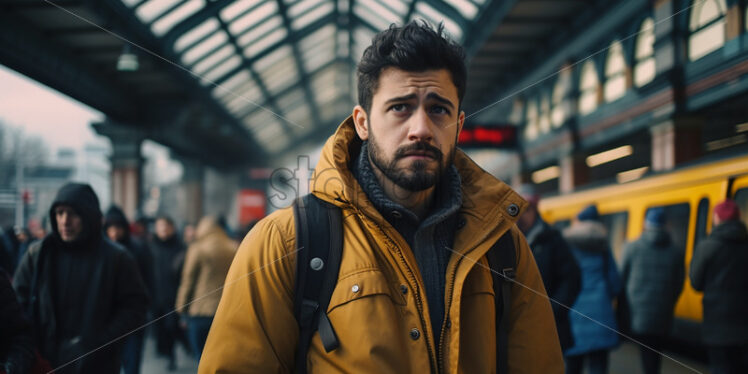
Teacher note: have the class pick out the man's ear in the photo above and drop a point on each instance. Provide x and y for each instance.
(460, 122)
(359, 120)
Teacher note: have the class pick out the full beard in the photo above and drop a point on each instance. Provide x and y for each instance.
(416, 176)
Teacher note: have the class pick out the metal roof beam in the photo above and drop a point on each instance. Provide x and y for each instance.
(211, 9)
(27, 51)
(290, 38)
(246, 64)
(484, 26)
(303, 77)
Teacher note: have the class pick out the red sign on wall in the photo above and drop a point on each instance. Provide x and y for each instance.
(251, 206)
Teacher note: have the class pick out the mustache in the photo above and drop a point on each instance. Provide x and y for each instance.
(420, 146)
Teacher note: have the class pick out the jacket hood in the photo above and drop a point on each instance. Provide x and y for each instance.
(732, 230)
(587, 235)
(82, 198)
(114, 216)
(486, 199)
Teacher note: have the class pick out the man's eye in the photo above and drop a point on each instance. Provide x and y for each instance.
(438, 109)
(399, 107)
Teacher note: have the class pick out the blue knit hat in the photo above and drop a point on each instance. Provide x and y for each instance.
(655, 217)
(589, 214)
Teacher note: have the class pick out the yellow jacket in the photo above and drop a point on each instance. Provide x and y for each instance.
(255, 331)
(205, 267)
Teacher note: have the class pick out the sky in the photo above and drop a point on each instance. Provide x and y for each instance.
(39, 110)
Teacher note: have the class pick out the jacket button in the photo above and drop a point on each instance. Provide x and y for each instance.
(355, 288)
(404, 289)
(396, 214)
(512, 209)
(415, 334)
(316, 264)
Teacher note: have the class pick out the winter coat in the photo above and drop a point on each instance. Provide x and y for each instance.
(16, 339)
(81, 295)
(205, 267)
(652, 271)
(560, 272)
(600, 285)
(138, 250)
(720, 268)
(383, 325)
(168, 260)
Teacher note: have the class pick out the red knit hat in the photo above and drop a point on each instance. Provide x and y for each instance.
(727, 210)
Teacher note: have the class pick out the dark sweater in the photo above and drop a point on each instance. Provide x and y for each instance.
(430, 240)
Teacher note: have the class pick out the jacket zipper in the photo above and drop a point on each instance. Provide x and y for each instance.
(419, 302)
(450, 296)
(447, 306)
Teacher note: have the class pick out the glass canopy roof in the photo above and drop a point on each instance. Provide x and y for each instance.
(284, 68)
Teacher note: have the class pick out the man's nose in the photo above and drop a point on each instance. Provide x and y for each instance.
(421, 126)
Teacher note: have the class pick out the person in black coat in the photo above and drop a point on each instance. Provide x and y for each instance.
(168, 254)
(117, 229)
(558, 268)
(16, 341)
(82, 293)
(652, 271)
(720, 268)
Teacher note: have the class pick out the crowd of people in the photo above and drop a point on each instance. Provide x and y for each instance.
(79, 299)
(412, 226)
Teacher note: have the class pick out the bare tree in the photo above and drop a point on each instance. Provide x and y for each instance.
(18, 148)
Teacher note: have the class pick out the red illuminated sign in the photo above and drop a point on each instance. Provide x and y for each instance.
(484, 136)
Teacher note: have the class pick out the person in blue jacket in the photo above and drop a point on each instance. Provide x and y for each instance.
(593, 322)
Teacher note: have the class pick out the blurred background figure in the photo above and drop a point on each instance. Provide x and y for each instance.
(24, 240)
(206, 265)
(7, 250)
(117, 229)
(188, 234)
(601, 284)
(39, 229)
(652, 271)
(168, 254)
(16, 341)
(720, 268)
(558, 268)
(140, 229)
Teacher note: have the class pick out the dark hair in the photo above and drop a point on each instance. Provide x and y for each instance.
(414, 47)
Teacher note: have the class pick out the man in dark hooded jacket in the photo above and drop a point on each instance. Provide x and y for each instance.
(719, 268)
(82, 292)
(558, 268)
(117, 229)
(652, 271)
(168, 255)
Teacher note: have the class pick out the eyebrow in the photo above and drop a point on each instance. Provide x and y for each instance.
(431, 95)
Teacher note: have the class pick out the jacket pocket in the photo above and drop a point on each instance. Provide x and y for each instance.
(363, 284)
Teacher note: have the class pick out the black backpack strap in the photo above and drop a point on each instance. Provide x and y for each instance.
(502, 259)
(319, 244)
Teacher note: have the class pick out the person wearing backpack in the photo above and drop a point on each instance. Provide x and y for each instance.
(414, 223)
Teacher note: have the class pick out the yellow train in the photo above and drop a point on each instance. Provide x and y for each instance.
(688, 196)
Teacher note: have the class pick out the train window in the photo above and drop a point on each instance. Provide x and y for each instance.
(617, 224)
(741, 198)
(676, 223)
(702, 213)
